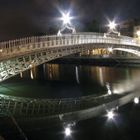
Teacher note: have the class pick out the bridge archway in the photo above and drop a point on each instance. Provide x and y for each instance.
(129, 50)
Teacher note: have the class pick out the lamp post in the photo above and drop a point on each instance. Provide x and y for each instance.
(138, 33)
(138, 36)
(66, 19)
(112, 28)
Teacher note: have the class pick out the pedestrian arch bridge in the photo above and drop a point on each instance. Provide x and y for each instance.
(21, 54)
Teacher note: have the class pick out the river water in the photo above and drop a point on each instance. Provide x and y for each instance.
(69, 81)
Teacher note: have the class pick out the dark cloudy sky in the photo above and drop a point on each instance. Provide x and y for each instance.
(28, 17)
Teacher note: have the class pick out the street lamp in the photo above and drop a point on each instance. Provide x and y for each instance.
(66, 19)
(112, 25)
(138, 33)
(138, 36)
(112, 28)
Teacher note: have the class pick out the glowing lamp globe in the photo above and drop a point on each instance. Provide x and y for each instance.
(138, 33)
(66, 18)
(110, 49)
(112, 25)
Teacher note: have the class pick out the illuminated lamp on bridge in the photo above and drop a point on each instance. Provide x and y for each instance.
(138, 33)
(112, 28)
(66, 19)
(112, 25)
(110, 50)
(137, 36)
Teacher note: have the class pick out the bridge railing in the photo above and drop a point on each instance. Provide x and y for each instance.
(35, 43)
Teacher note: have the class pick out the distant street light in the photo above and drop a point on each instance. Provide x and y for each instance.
(66, 19)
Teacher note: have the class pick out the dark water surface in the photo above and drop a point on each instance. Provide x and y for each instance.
(67, 81)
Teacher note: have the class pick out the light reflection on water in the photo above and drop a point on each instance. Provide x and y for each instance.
(61, 80)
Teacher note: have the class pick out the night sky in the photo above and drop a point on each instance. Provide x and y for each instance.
(31, 17)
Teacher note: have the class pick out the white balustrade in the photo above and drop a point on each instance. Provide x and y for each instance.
(34, 43)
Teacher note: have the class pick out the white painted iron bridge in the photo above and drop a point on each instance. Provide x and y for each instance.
(21, 54)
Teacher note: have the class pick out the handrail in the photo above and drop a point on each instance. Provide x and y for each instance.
(34, 43)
